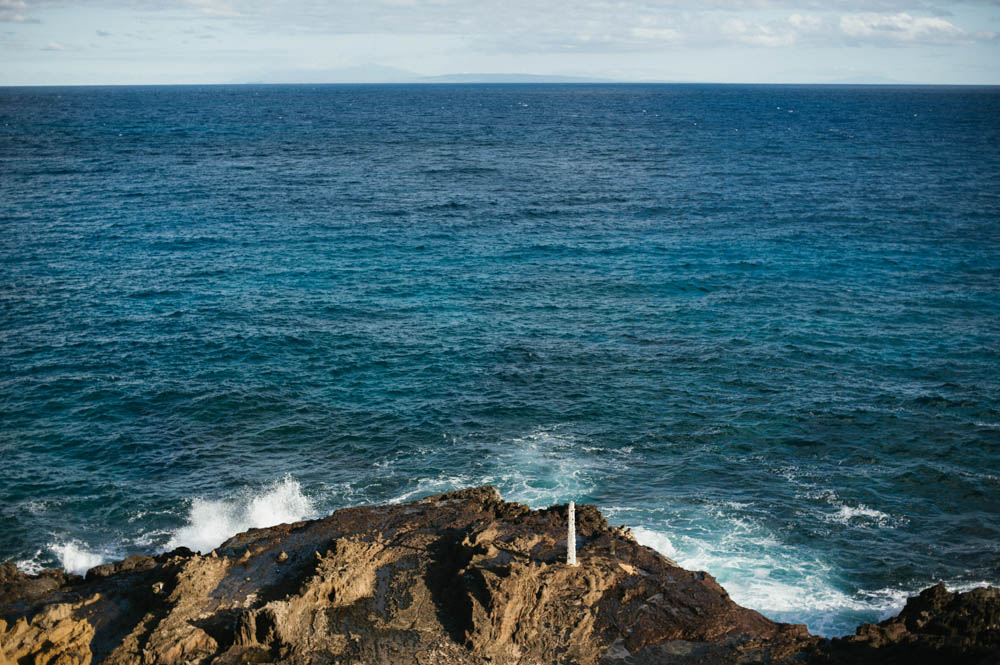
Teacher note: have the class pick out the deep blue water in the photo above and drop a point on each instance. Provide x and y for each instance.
(759, 324)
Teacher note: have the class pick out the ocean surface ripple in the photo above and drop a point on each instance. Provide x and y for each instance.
(758, 324)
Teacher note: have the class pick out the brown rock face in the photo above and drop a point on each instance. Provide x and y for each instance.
(52, 637)
(459, 578)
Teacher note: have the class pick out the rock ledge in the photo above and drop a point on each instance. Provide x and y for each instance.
(455, 579)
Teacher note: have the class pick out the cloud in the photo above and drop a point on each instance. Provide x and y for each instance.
(864, 29)
(902, 28)
(103, 33)
(458, 9)
(653, 31)
(584, 26)
(756, 34)
(657, 34)
(214, 8)
(489, 16)
(10, 12)
(53, 46)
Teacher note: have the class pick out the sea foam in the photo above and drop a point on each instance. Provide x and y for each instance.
(780, 582)
(545, 467)
(760, 574)
(539, 468)
(860, 513)
(211, 522)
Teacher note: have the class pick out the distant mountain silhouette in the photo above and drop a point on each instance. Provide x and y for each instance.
(512, 78)
(381, 74)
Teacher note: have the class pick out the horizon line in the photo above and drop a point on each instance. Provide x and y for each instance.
(582, 82)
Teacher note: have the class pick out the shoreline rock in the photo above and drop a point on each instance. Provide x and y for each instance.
(461, 578)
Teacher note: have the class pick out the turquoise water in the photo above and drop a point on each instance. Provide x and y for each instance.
(758, 324)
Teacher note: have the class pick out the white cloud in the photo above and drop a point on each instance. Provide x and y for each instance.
(559, 26)
(53, 46)
(769, 35)
(903, 28)
(657, 34)
(201, 8)
(805, 22)
(10, 12)
(724, 29)
(868, 28)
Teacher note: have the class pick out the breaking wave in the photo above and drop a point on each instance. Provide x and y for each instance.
(211, 522)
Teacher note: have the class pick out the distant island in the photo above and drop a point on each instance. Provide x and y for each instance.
(382, 74)
(375, 74)
(511, 78)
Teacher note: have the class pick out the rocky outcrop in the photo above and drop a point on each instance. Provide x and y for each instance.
(51, 637)
(937, 626)
(459, 578)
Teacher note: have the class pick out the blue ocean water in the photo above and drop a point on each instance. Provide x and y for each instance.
(758, 324)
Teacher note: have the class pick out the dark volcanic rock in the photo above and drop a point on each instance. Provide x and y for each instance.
(937, 626)
(459, 578)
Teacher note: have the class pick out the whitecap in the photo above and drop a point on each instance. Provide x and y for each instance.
(859, 515)
(38, 506)
(853, 515)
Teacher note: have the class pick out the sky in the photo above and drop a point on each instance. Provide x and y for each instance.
(86, 42)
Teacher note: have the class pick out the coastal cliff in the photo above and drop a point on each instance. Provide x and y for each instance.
(461, 578)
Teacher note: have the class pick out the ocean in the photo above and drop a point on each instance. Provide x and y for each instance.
(760, 325)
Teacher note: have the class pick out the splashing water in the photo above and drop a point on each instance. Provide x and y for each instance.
(212, 522)
(74, 557)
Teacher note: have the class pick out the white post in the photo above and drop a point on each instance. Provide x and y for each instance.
(571, 537)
